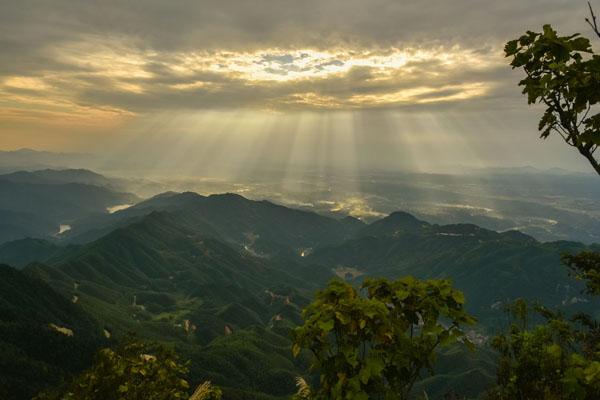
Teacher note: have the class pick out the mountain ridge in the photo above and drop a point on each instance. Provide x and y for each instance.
(222, 277)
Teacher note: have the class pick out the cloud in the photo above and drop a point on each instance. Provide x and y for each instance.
(78, 60)
(242, 25)
(118, 75)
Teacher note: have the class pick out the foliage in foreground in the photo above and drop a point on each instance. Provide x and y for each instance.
(207, 391)
(585, 266)
(562, 73)
(556, 360)
(375, 342)
(559, 359)
(133, 371)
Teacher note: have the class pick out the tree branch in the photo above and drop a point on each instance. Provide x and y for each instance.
(589, 107)
(593, 22)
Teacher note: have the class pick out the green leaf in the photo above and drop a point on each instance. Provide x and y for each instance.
(511, 48)
(458, 296)
(326, 326)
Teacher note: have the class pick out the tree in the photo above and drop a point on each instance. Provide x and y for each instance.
(132, 371)
(375, 342)
(562, 73)
(585, 266)
(558, 359)
(546, 362)
(555, 360)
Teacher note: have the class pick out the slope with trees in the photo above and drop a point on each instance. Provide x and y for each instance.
(44, 336)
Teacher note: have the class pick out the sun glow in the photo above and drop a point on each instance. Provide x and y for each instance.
(25, 82)
(286, 65)
(219, 104)
(108, 74)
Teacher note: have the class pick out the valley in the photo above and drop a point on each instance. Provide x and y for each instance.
(224, 279)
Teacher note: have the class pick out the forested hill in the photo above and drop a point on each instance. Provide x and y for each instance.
(170, 279)
(491, 268)
(44, 204)
(19, 253)
(44, 336)
(224, 278)
(234, 217)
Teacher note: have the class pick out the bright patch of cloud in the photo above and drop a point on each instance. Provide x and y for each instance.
(116, 77)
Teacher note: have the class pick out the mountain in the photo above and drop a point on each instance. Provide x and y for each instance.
(164, 256)
(39, 209)
(19, 253)
(32, 159)
(44, 337)
(239, 219)
(395, 223)
(260, 225)
(224, 279)
(170, 278)
(58, 176)
(67, 201)
(18, 225)
(491, 268)
(93, 227)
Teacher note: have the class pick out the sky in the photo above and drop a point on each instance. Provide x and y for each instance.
(418, 84)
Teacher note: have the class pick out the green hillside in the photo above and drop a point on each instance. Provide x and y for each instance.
(16, 225)
(165, 278)
(39, 207)
(491, 268)
(235, 219)
(223, 279)
(19, 253)
(44, 337)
